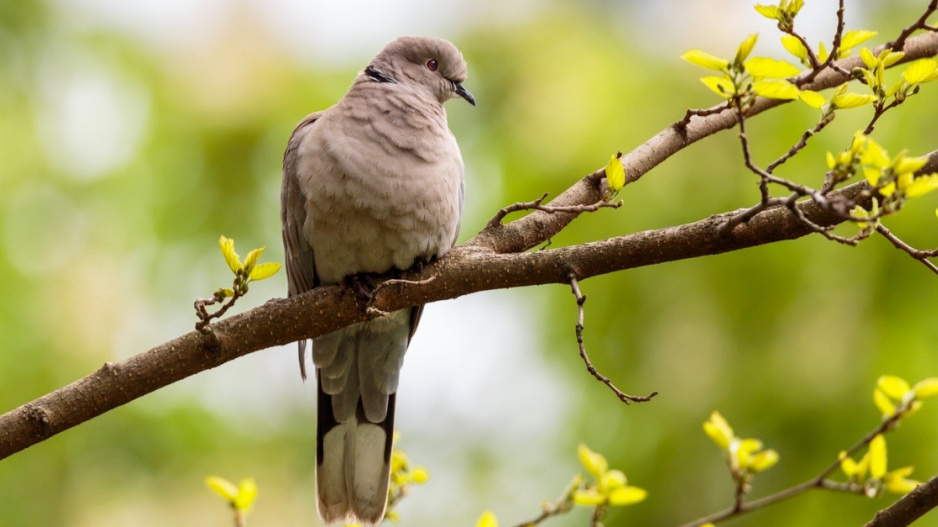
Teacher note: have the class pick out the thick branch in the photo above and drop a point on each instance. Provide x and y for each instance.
(466, 269)
(533, 229)
(488, 261)
(908, 508)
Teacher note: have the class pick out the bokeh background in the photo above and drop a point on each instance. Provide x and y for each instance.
(133, 134)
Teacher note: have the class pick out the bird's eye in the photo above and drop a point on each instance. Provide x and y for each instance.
(432, 65)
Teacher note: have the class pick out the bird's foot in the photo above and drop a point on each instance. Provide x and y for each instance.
(362, 284)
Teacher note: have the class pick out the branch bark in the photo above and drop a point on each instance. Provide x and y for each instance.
(492, 260)
(908, 508)
(467, 269)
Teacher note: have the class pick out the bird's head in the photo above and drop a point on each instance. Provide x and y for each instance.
(429, 63)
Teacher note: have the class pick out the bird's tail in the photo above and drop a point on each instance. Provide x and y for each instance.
(357, 370)
(353, 464)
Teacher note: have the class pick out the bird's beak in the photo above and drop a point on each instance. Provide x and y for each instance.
(464, 93)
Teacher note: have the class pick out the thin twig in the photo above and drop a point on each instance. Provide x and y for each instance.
(496, 220)
(921, 23)
(580, 300)
(818, 482)
(921, 256)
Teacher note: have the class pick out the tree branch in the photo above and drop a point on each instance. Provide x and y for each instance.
(908, 508)
(466, 269)
(491, 260)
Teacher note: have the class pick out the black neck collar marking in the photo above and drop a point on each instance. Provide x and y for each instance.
(377, 75)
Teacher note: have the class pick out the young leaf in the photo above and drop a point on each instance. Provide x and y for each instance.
(247, 493)
(766, 68)
(768, 11)
(854, 38)
(794, 46)
(878, 456)
(705, 60)
(487, 519)
(851, 100)
(926, 387)
(720, 85)
(251, 260)
(263, 271)
(231, 257)
(626, 496)
(812, 98)
(615, 173)
(775, 89)
(222, 487)
(893, 386)
(922, 70)
(593, 462)
(745, 48)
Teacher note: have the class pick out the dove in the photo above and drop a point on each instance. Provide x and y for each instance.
(371, 185)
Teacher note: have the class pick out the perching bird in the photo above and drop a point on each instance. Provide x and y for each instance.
(372, 184)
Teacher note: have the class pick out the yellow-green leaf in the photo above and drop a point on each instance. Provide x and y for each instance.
(872, 175)
(615, 172)
(251, 260)
(231, 257)
(588, 497)
(847, 464)
(854, 38)
(926, 388)
(922, 185)
(822, 53)
(922, 70)
(878, 457)
(744, 450)
(794, 46)
(888, 58)
(906, 164)
(247, 493)
(745, 48)
(764, 460)
(719, 430)
(775, 89)
(264, 270)
(768, 11)
(227, 292)
(851, 100)
(487, 519)
(705, 60)
(626, 496)
(222, 487)
(893, 386)
(766, 68)
(720, 86)
(792, 6)
(868, 59)
(882, 401)
(593, 462)
(901, 485)
(812, 98)
(612, 479)
(420, 475)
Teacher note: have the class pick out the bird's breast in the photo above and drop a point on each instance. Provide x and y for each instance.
(380, 199)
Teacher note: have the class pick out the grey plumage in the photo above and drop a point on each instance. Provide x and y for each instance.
(372, 184)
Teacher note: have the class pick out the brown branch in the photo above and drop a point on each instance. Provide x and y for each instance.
(466, 269)
(908, 508)
(536, 227)
(479, 265)
(580, 300)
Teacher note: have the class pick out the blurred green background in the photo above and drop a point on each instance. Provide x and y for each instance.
(133, 134)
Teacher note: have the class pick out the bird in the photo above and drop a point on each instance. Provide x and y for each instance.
(371, 185)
